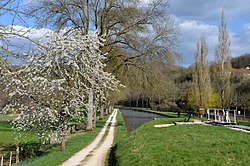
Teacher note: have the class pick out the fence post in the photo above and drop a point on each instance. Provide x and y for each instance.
(17, 154)
(2, 161)
(235, 114)
(10, 158)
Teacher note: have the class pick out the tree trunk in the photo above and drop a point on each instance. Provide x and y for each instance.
(94, 118)
(89, 125)
(63, 141)
(142, 102)
(249, 115)
(102, 112)
(148, 103)
(106, 109)
(110, 108)
(86, 11)
(137, 102)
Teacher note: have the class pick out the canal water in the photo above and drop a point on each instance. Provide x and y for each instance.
(134, 119)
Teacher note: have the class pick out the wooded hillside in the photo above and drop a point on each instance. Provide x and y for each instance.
(242, 61)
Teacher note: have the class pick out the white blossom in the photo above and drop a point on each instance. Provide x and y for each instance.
(50, 89)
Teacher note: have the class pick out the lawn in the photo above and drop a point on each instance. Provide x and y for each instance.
(183, 145)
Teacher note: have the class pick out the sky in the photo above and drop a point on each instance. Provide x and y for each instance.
(196, 18)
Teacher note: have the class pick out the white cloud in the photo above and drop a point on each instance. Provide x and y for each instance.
(33, 34)
(191, 32)
(240, 42)
(208, 10)
(22, 39)
(198, 18)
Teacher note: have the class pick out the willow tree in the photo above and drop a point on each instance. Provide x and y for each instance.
(223, 65)
(137, 32)
(201, 77)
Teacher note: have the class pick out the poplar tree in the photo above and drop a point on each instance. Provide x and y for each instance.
(223, 66)
(201, 76)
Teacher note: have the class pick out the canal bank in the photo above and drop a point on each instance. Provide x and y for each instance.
(167, 114)
(179, 145)
(135, 118)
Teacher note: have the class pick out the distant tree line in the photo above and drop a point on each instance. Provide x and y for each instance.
(242, 61)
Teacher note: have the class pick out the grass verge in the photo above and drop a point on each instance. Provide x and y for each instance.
(169, 114)
(183, 145)
(73, 145)
(243, 122)
(120, 134)
(121, 130)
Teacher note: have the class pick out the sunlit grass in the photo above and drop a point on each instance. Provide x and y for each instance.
(184, 145)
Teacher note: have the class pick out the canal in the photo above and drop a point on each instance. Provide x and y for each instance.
(134, 119)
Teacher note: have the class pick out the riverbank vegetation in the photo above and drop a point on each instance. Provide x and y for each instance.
(183, 145)
(76, 142)
(169, 114)
(48, 154)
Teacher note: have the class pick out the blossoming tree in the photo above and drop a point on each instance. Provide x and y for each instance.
(64, 75)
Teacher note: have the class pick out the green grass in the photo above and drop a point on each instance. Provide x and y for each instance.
(7, 135)
(121, 130)
(4, 117)
(73, 145)
(120, 134)
(173, 114)
(183, 145)
(243, 122)
(170, 114)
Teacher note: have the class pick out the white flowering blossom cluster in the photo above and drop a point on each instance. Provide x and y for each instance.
(65, 74)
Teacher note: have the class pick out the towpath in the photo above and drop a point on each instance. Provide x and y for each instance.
(96, 152)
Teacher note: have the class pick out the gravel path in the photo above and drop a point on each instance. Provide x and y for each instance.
(96, 152)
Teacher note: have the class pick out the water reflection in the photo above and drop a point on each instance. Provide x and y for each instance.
(134, 119)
